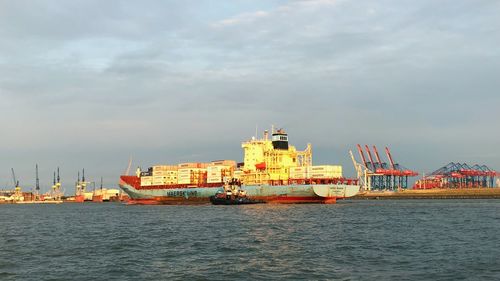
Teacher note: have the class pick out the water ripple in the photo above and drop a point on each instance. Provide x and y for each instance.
(365, 240)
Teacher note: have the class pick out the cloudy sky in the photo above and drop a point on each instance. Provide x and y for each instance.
(88, 84)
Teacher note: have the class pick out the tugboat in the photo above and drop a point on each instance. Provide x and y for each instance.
(232, 195)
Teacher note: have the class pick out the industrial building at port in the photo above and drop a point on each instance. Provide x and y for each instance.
(376, 174)
(55, 194)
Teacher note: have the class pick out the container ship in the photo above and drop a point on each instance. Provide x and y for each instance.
(272, 171)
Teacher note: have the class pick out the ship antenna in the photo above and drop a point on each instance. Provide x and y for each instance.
(58, 178)
(83, 175)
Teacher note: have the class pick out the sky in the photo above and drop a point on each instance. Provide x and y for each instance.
(90, 84)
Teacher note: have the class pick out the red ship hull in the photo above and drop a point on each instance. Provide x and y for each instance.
(326, 193)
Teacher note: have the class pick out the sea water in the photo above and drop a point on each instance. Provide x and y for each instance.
(350, 240)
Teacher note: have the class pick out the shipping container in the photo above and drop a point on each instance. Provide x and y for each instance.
(230, 163)
(237, 174)
(214, 180)
(301, 175)
(190, 165)
(164, 168)
(325, 171)
(324, 168)
(298, 172)
(316, 172)
(147, 178)
(298, 169)
(159, 173)
(216, 168)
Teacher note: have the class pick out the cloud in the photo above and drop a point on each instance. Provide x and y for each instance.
(191, 78)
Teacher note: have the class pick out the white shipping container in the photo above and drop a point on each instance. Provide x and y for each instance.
(214, 169)
(328, 170)
(325, 168)
(325, 175)
(299, 175)
(237, 174)
(298, 169)
(146, 181)
(184, 181)
(184, 173)
(214, 180)
(318, 176)
(158, 173)
(211, 169)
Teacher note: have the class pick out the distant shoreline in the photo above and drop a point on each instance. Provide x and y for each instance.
(464, 193)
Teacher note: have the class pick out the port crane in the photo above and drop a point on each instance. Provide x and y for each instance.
(381, 175)
(56, 187)
(81, 185)
(361, 172)
(37, 185)
(18, 195)
(458, 175)
(14, 179)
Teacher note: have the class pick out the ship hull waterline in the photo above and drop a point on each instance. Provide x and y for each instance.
(283, 194)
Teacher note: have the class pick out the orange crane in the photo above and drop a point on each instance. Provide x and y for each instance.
(370, 157)
(362, 156)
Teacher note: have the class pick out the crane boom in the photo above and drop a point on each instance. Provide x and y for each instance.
(362, 155)
(129, 165)
(370, 157)
(356, 165)
(378, 156)
(390, 158)
(14, 179)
